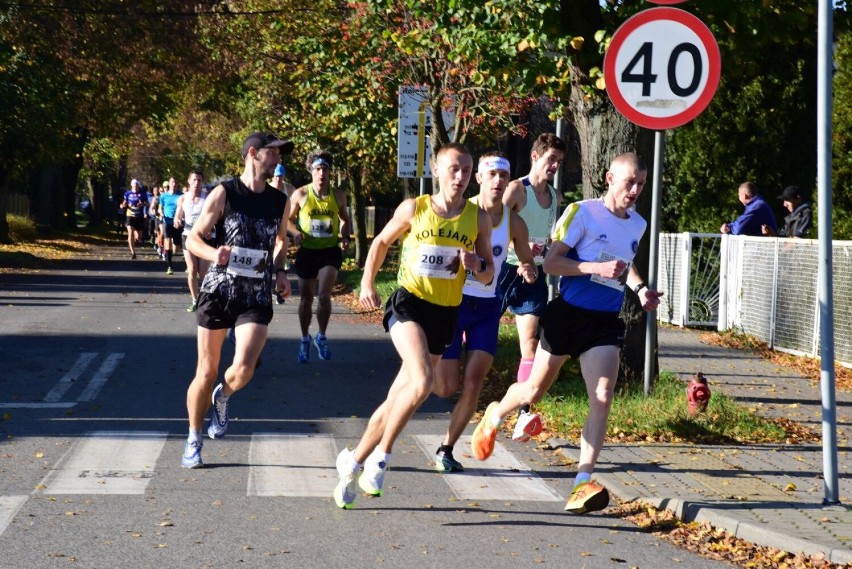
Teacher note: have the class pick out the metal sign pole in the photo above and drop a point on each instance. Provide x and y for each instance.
(654, 235)
(825, 65)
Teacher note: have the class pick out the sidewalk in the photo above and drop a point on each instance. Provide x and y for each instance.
(744, 490)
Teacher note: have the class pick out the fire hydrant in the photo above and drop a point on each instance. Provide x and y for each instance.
(697, 395)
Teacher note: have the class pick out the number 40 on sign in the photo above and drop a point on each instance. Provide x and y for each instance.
(662, 68)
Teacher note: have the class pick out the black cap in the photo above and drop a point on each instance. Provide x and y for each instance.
(791, 192)
(266, 140)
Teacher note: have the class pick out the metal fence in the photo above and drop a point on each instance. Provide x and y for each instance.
(762, 286)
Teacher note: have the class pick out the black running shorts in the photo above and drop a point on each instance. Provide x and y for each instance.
(567, 330)
(437, 322)
(216, 312)
(310, 261)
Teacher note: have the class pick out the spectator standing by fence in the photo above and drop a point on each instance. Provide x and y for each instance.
(798, 223)
(757, 213)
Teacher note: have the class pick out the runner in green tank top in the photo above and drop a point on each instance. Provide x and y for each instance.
(318, 214)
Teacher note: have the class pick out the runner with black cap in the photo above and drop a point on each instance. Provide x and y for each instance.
(250, 218)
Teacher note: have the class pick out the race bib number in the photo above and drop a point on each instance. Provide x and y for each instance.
(321, 227)
(245, 262)
(538, 246)
(617, 284)
(437, 262)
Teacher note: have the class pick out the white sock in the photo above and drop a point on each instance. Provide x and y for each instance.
(194, 436)
(582, 477)
(378, 456)
(306, 338)
(495, 420)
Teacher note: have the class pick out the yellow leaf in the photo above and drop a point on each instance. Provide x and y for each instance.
(600, 83)
(790, 487)
(523, 45)
(577, 42)
(39, 454)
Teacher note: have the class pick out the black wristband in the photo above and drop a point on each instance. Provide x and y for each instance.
(639, 287)
(481, 265)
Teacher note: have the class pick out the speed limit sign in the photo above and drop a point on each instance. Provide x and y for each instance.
(662, 68)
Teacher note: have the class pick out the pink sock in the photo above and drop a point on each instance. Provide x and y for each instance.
(524, 369)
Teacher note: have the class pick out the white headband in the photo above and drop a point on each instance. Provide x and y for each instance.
(320, 162)
(493, 163)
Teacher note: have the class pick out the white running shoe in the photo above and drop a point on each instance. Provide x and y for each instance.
(373, 477)
(528, 425)
(344, 492)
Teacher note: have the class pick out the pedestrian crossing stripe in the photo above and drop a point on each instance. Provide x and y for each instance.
(280, 464)
(107, 462)
(501, 477)
(9, 506)
(292, 465)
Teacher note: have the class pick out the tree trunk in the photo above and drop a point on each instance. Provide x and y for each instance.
(358, 178)
(604, 134)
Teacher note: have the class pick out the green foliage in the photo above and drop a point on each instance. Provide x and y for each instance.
(660, 417)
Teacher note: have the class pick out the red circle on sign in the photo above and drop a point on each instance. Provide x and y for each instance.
(714, 65)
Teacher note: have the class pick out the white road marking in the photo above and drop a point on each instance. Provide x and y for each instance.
(292, 465)
(501, 477)
(61, 405)
(73, 374)
(107, 462)
(101, 377)
(9, 506)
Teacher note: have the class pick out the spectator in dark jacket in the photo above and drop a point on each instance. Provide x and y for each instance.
(798, 223)
(757, 213)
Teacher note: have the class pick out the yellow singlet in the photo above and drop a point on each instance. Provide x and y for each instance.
(430, 263)
(319, 220)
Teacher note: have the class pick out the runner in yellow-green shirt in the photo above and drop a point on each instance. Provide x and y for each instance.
(319, 223)
(444, 237)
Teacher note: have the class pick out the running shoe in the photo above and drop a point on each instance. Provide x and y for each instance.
(321, 342)
(278, 298)
(192, 307)
(528, 425)
(133, 255)
(219, 417)
(169, 271)
(587, 497)
(482, 443)
(192, 455)
(446, 462)
(305, 350)
(344, 492)
(373, 477)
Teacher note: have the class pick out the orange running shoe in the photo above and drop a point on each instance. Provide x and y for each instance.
(482, 443)
(587, 497)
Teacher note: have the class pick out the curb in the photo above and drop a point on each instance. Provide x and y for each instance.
(688, 511)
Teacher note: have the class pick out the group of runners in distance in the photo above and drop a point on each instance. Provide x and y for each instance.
(463, 262)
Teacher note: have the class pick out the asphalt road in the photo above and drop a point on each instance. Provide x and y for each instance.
(95, 358)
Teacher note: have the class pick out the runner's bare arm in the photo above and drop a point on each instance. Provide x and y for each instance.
(279, 254)
(650, 299)
(398, 224)
(345, 222)
(179, 212)
(520, 236)
(515, 196)
(296, 199)
(556, 263)
(480, 262)
(213, 208)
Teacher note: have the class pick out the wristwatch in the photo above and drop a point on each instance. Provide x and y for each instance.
(639, 287)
